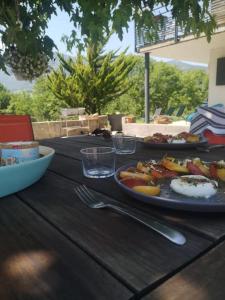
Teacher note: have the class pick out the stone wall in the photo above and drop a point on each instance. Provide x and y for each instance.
(51, 129)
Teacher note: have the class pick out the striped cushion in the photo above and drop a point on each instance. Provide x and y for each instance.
(212, 118)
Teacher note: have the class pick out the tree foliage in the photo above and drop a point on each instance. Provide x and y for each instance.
(23, 22)
(41, 104)
(169, 86)
(45, 105)
(20, 103)
(93, 80)
(4, 97)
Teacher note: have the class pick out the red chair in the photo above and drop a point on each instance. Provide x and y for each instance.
(214, 138)
(15, 128)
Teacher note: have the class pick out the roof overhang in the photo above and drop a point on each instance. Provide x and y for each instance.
(189, 48)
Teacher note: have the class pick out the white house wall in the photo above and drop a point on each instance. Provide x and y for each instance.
(189, 48)
(216, 92)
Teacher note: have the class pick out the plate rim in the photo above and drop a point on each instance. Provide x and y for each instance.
(168, 202)
(175, 145)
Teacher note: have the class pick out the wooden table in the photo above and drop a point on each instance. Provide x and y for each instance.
(53, 247)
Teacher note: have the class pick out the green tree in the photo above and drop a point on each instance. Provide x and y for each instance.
(165, 82)
(94, 80)
(169, 86)
(45, 106)
(132, 102)
(5, 97)
(194, 89)
(20, 103)
(23, 23)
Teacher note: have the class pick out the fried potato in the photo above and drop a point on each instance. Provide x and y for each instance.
(204, 169)
(173, 165)
(142, 168)
(124, 174)
(147, 190)
(221, 174)
(192, 138)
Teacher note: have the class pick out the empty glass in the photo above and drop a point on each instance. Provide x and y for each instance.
(98, 162)
(124, 144)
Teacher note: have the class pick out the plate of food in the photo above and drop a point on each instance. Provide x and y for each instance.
(182, 140)
(189, 184)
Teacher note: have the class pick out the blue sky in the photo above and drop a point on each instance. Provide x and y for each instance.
(60, 25)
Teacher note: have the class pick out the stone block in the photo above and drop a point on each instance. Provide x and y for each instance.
(75, 130)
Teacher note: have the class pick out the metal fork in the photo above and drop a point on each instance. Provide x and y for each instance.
(88, 198)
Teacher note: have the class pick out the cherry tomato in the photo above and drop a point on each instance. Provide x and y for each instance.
(213, 170)
(193, 169)
(156, 174)
(131, 182)
(160, 172)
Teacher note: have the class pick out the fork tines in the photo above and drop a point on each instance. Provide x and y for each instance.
(84, 195)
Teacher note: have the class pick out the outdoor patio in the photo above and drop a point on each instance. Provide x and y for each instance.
(94, 205)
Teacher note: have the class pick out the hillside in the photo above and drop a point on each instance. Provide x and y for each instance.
(12, 84)
(184, 66)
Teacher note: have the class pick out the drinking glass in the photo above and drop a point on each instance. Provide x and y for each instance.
(98, 162)
(124, 144)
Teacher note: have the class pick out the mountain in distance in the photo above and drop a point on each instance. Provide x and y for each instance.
(14, 85)
(185, 66)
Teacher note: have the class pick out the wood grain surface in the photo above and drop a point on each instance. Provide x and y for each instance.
(202, 280)
(38, 262)
(54, 247)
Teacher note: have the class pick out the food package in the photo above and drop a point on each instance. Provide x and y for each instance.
(17, 152)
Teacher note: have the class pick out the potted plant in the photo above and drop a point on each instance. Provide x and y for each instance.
(25, 66)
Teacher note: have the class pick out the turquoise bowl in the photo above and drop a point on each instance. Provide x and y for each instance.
(17, 177)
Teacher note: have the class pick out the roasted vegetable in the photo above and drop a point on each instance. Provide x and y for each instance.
(213, 170)
(217, 171)
(159, 172)
(172, 164)
(131, 182)
(147, 190)
(192, 138)
(124, 174)
(197, 167)
(221, 173)
(202, 166)
(142, 167)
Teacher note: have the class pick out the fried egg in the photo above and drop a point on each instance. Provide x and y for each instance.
(194, 186)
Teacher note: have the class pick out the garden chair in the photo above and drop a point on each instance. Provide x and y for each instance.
(180, 110)
(14, 128)
(156, 113)
(169, 111)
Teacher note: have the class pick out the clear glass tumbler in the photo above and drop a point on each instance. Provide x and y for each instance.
(124, 144)
(98, 162)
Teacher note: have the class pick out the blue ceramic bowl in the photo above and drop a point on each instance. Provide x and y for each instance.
(16, 177)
